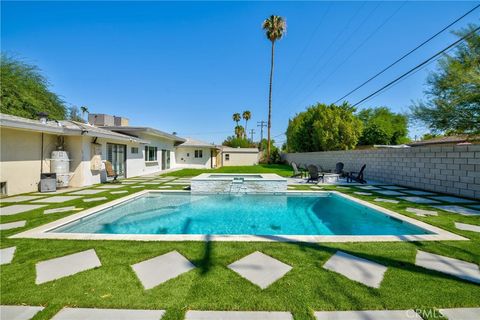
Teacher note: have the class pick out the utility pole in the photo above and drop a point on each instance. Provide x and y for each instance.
(262, 124)
(252, 132)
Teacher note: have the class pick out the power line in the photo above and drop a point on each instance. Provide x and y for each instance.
(418, 66)
(408, 53)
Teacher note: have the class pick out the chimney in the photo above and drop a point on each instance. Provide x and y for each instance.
(120, 121)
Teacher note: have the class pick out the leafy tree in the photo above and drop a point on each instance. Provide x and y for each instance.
(24, 91)
(382, 126)
(324, 127)
(453, 94)
(274, 152)
(236, 142)
(246, 115)
(275, 27)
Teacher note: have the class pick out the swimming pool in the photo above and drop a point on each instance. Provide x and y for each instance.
(329, 214)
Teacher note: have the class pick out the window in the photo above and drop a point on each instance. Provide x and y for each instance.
(134, 150)
(198, 153)
(227, 157)
(150, 153)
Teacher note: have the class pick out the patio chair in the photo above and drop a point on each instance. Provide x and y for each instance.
(339, 169)
(358, 177)
(296, 171)
(110, 172)
(313, 173)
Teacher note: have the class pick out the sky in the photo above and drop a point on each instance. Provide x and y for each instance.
(186, 67)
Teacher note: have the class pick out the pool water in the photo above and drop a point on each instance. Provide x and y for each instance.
(157, 213)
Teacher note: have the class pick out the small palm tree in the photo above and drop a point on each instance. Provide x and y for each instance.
(275, 27)
(239, 131)
(236, 117)
(84, 110)
(246, 115)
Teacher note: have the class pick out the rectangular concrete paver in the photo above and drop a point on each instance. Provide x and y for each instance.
(20, 198)
(111, 186)
(160, 269)
(393, 187)
(422, 212)
(355, 268)
(467, 227)
(458, 268)
(58, 199)
(459, 209)
(419, 192)
(368, 315)
(64, 209)
(6, 255)
(260, 269)
(12, 225)
(87, 192)
(390, 192)
(19, 208)
(107, 314)
(94, 199)
(66, 266)
(369, 188)
(237, 315)
(386, 200)
(461, 313)
(363, 193)
(418, 200)
(452, 199)
(18, 312)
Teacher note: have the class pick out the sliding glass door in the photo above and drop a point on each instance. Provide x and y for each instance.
(165, 159)
(116, 154)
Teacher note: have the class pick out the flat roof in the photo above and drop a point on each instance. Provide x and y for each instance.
(147, 130)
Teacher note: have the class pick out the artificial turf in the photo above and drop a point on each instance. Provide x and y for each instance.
(212, 286)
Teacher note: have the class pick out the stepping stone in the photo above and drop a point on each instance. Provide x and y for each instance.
(418, 200)
(368, 315)
(452, 199)
(368, 188)
(64, 209)
(18, 312)
(238, 315)
(363, 193)
(107, 314)
(58, 199)
(87, 192)
(390, 193)
(393, 187)
(260, 269)
(6, 255)
(357, 269)
(19, 208)
(421, 212)
(385, 200)
(467, 227)
(94, 199)
(164, 187)
(71, 264)
(477, 206)
(12, 225)
(111, 186)
(129, 182)
(458, 268)
(119, 192)
(345, 188)
(160, 269)
(149, 183)
(460, 210)
(20, 198)
(461, 313)
(419, 192)
(316, 187)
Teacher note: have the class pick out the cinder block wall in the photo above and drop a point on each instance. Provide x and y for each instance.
(448, 169)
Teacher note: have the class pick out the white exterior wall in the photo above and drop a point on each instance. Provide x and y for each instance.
(137, 165)
(185, 158)
(240, 158)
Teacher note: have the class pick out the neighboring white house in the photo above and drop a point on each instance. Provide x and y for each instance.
(240, 156)
(196, 154)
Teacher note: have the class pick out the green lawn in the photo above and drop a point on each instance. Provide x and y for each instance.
(280, 169)
(212, 286)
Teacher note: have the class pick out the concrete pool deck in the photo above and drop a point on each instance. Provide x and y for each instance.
(43, 232)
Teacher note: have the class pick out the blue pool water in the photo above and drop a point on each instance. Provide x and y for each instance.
(155, 213)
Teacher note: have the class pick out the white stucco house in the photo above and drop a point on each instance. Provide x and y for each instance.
(27, 146)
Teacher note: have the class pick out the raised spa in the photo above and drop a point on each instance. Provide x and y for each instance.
(238, 183)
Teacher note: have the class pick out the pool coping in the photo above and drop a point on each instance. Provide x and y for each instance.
(41, 232)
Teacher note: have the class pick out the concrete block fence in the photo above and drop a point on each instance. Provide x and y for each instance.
(447, 169)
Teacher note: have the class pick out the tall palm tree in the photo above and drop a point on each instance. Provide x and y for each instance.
(236, 117)
(246, 115)
(239, 131)
(84, 110)
(275, 27)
